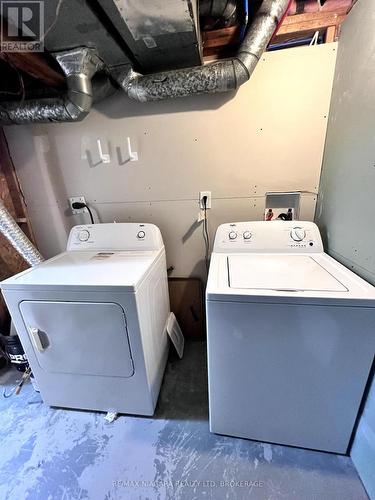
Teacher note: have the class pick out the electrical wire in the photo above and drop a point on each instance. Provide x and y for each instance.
(90, 213)
(206, 235)
(18, 386)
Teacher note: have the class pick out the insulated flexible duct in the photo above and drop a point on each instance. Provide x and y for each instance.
(221, 10)
(220, 76)
(79, 67)
(18, 239)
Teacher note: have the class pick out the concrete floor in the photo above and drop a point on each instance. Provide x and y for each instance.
(62, 454)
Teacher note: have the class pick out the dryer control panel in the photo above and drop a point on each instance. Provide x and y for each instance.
(115, 236)
(269, 237)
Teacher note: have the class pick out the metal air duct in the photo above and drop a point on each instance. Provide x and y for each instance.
(79, 66)
(220, 76)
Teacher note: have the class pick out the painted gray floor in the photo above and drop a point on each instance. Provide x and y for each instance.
(61, 454)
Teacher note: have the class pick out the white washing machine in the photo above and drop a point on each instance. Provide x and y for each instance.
(92, 320)
(291, 337)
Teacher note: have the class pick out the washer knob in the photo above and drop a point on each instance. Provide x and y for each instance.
(298, 234)
(83, 235)
(246, 235)
(141, 235)
(232, 235)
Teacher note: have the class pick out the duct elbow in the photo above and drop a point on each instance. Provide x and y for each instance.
(241, 72)
(79, 66)
(258, 37)
(79, 98)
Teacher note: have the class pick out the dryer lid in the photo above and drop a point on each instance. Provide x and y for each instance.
(280, 272)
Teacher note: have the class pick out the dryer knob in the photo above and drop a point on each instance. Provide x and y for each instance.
(246, 235)
(232, 235)
(141, 235)
(298, 233)
(83, 235)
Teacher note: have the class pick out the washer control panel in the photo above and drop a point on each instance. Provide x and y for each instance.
(269, 236)
(115, 236)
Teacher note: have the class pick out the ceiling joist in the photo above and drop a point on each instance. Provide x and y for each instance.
(293, 27)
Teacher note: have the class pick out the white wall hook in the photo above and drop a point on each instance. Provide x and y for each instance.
(133, 155)
(105, 158)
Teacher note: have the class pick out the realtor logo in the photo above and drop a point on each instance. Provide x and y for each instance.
(22, 26)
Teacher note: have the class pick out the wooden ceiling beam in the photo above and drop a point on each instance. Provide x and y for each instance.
(313, 21)
(35, 65)
(293, 27)
(218, 38)
(305, 6)
(40, 66)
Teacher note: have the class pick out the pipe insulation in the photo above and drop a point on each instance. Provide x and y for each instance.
(18, 239)
(79, 66)
(219, 76)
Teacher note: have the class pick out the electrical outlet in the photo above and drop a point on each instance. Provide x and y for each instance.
(81, 199)
(208, 203)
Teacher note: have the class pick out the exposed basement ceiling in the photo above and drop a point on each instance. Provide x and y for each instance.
(135, 38)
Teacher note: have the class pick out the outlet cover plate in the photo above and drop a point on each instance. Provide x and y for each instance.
(81, 199)
(208, 203)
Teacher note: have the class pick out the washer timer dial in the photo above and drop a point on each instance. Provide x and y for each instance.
(298, 233)
(83, 235)
(232, 235)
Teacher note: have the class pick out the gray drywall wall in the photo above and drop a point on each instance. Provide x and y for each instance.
(346, 203)
(268, 137)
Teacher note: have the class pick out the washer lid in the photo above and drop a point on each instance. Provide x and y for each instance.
(280, 272)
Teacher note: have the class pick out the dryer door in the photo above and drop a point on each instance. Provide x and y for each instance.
(85, 338)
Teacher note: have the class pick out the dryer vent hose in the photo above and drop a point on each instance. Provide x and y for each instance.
(18, 239)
